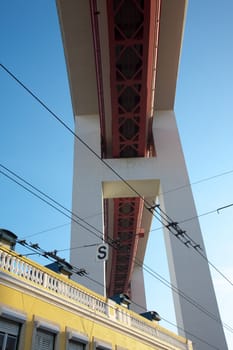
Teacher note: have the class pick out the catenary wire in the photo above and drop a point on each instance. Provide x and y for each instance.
(89, 148)
(53, 205)
(165, 320)
(46, 230)
(178, 291)
(51, 199)
(100, 213)
(199, 251)
(111, 242)
(99, 237)
(50, 255)
(146, 203)
(35, 247)
(190, 184)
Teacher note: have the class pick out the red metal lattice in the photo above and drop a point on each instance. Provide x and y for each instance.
(127, 231)
(132, 35)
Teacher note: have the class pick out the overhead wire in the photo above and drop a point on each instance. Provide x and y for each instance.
(192, 243)
(169, 225)
(190, 184)
(141, 264)
(46, 230)
(178, 291)
(173, 229)
(164, 319)
(36, 249)
(55, 203)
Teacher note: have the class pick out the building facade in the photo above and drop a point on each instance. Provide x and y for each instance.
(44, 310)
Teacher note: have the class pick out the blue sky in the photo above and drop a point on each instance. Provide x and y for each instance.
(40, 150)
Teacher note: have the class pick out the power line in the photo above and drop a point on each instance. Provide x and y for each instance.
(178, 291)
(52, 255)
(171, 286)
(193, 335)
(172, 226)
(189, 241)
(141, 264)
(47, 230)
(165, 220)
(55, 204)
(190, 184)
(165, 320)
(37, 250)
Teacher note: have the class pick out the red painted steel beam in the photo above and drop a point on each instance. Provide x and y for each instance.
(133, 35)
(133, 32)
(127, 231)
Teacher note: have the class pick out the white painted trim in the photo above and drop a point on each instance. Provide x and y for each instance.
(13, 315)
(101, 345)
(73, 335)
(48, 327)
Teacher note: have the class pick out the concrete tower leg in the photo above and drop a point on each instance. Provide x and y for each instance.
(189, 272)
(88, 204)
(138, 290)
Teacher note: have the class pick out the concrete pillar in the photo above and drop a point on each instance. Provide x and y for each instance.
(87, 204)
(189, 272)
(138, 290)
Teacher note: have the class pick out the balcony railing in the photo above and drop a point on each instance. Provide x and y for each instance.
(39, 276)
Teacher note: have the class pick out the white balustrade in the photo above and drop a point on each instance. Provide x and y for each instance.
(17, 266)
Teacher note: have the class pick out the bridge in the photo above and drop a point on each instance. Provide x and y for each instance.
(122, 60)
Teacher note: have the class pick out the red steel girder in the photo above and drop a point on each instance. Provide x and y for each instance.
(127, 231)
(133, 35)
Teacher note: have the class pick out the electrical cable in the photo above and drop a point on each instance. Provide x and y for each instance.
(190, 184)
(122, 179)
(47, 230)
(190, 219)
(53, 256)
(42, 198)
(141, 264)
(178, 291)
(37, 250)
(163, 319)
(197, 248)
(179, 234)
(109, 241)
(90, 149)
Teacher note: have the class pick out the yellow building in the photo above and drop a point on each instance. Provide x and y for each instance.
(43, 310)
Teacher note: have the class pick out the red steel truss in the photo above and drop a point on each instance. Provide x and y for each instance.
(133, 26)
(127, 232)
(133, 38)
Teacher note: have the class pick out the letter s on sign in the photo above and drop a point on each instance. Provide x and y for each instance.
(102, 252)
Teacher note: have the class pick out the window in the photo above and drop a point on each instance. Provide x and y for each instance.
(44, 340)
(9, 334)
(100, 345)
(75, 340)
(76, 345)
(45, 335)
(11, 324)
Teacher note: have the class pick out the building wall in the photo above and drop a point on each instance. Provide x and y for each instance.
(47, 309)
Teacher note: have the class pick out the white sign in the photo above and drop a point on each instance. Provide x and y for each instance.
(102, 252)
